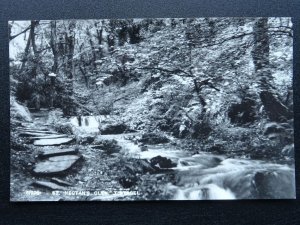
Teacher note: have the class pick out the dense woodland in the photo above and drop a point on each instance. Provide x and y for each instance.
(220, 85)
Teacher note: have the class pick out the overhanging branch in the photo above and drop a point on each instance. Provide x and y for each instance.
(16, 35)
(175, 71)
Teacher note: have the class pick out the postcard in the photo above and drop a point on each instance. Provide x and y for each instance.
(151, 109)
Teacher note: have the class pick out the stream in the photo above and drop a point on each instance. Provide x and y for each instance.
(208, 176)
(198, 176)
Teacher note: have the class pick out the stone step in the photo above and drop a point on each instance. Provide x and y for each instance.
(37, 131)
(34, 129)
(46, 153)
(48, 185)
(49, 137)
(55, 165)
(60, 182)
(53, 142)
(32, 134)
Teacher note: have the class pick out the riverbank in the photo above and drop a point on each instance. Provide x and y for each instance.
(122, 167)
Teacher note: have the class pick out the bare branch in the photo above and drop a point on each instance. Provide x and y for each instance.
(166, 70)
(219, 42)
(16, 35)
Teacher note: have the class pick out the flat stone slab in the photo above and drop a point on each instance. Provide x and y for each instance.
(31, 134)
(49, 136)
(45, 153)
(51, 142)
(48, 185)
(56, 164)
(60, 182)
(39, 130)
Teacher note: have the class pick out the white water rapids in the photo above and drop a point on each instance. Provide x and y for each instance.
(207, 176)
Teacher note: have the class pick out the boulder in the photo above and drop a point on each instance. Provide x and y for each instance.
(85, 139)
(19, 112)
(113, 129)
(139, 166)
(273, 128)
(109, 146)
(53, 142)
(64, 128)
(55, 165)
(288, 150)
(162, 162)
(274, 185)
(153, 138)
(143, 148)
(146, 166)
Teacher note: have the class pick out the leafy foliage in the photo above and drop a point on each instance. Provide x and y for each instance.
(192, 78)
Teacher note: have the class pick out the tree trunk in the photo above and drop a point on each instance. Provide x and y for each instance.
(69, 45)
(53, 45)
(26, 51)
(260, 53)
(275, 110)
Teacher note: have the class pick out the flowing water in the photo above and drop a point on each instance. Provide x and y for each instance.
(208, 176)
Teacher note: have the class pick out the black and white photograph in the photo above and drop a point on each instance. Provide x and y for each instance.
(148, 109)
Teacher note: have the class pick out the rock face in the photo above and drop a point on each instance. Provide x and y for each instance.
(56, 141)
(162, 162)
(19, 111)
(152, 139)
(55, 165)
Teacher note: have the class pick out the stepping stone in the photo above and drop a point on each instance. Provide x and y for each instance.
(52, 142)
(49, 137)
(45, 153)
(48, 185)
(32, 134)
(55, 165)
(34, 129)
(60, 182)
(38, 131)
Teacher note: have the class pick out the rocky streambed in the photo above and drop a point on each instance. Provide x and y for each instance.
(89, 166)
